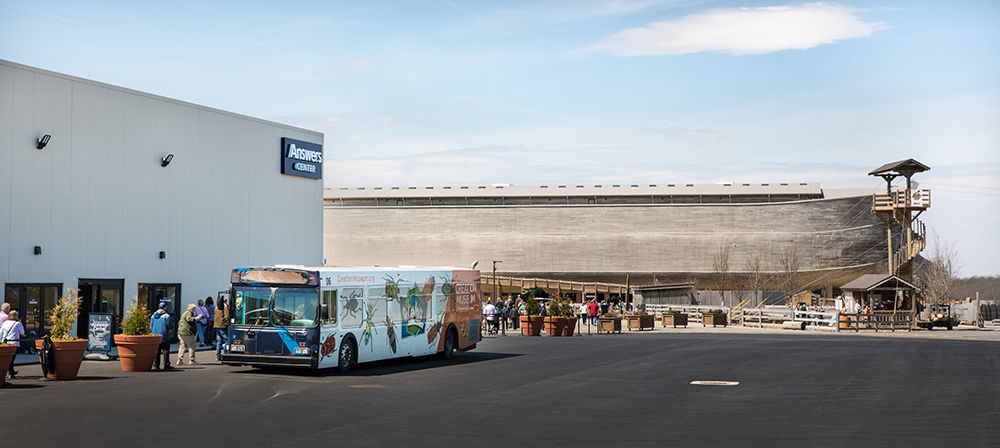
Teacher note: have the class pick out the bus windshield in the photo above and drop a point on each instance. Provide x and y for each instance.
(275, 306)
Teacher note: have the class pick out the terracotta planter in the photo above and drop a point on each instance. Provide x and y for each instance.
(7, 353)
(554, 326)
(68, 356)
(570, 326)
(136, 353)
(531, 325)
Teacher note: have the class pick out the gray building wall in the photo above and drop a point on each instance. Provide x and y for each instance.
(598, 242)
(100, 205)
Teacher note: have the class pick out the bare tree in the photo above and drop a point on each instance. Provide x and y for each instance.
(720, 262)
(789, 263)
(754, 278)
(936, 277)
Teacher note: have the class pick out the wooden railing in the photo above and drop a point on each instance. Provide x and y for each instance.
(878, 320)
(899, 199)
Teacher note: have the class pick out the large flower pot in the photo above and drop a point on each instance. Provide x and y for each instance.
(68, 356)
(570, 326)
(531, 325)
(554, 326)
(136, 353)
(713, 319)
(7, 353)
(640, 322)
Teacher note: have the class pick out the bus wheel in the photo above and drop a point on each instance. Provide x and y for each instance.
(450, 344)
(346, 357)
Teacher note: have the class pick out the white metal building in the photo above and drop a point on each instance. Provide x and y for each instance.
(134, 194)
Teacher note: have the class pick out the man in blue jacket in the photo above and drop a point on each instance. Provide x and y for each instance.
(161, 323)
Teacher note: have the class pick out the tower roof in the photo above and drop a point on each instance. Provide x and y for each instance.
(903, 167)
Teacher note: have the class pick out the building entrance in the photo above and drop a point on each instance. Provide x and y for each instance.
(32, 301)
(99, 296)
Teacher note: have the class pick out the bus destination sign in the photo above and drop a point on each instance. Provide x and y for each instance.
(272, 276)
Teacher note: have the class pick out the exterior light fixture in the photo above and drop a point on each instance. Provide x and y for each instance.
(166, 160)
(38, 250)
(163, 254)
(42, 141)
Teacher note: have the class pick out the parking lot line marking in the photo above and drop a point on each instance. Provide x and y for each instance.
(715, 383)
(367, 386)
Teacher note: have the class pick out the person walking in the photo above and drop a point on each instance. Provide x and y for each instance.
(210, 326)
(592, 310)
(11, 332)
(490, 313)
(221, 324)
(4, 309)
(162, 323)
(501, 313)
(186, 332)
(202, 322)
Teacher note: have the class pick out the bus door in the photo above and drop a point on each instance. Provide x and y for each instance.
(328, 335)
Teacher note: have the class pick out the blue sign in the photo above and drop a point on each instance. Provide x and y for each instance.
(299, 158)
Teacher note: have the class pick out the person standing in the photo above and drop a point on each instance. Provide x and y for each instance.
(11, 332)
(162, 324)
(592, 310)
(186, 332)
(202, 322)
(221, 324)
(210, 326)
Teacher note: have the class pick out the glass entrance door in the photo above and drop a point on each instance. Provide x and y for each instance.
(32, 301)
(99, 296)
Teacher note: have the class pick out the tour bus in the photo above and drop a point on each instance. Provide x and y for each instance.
(295, 316)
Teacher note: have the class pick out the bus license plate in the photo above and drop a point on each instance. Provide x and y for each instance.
(237, 348)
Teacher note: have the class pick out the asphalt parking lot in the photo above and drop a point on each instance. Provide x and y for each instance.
(609, 390)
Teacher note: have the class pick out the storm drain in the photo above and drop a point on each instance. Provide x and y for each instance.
(715, 383)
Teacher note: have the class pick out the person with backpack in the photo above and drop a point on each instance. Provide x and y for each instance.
(162, 324)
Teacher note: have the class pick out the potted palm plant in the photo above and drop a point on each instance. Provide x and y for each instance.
(67, 350)
(531, 324)
(136, 344)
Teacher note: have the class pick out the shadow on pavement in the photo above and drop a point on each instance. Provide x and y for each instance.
(389, 366)
(20, 385)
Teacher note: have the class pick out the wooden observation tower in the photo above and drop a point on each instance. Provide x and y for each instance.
(899, 208)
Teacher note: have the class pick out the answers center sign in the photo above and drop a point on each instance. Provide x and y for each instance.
(299, 158)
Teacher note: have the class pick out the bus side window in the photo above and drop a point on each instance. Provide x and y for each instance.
(329, 311)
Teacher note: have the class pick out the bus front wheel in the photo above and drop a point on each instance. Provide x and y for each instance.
(346, 357)
(450, 344)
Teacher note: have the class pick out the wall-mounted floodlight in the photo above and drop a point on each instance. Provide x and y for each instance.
(42, 141)
(166, 160)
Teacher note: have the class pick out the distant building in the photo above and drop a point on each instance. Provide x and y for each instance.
(662, 233)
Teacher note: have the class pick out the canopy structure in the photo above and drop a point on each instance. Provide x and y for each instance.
(879, 282)
(906, 168)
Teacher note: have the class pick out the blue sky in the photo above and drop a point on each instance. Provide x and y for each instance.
(580, 91)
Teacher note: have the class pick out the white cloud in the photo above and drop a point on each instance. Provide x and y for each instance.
(742, 31)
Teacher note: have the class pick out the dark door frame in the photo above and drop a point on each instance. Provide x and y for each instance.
(22, 304)
(97, 285)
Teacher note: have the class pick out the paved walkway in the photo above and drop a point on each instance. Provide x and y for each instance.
(32, 358)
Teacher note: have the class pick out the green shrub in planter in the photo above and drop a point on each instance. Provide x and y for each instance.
(136, 321)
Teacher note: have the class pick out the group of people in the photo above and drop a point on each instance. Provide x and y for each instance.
(507, 312)
(197, 325)
(11, 332)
